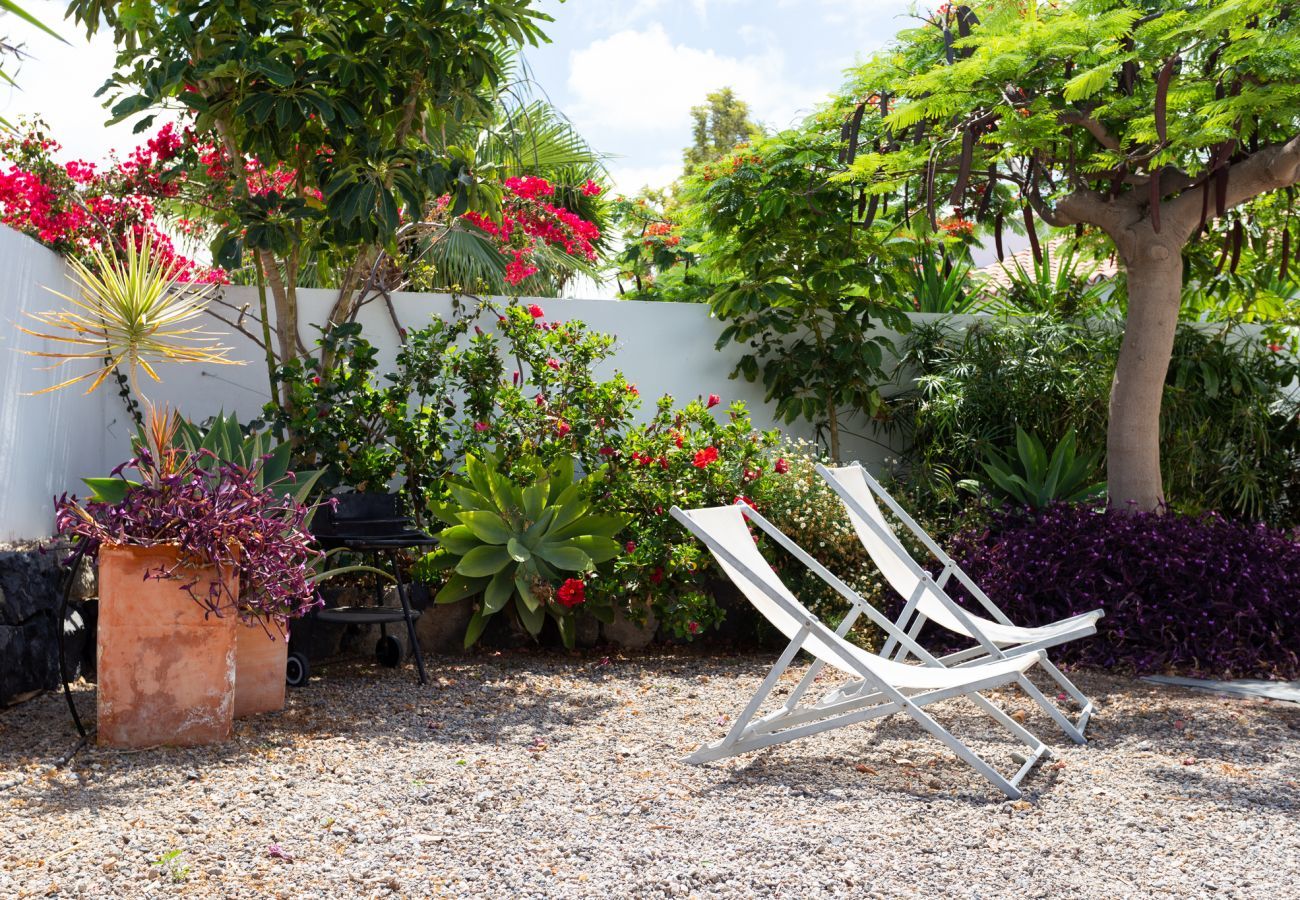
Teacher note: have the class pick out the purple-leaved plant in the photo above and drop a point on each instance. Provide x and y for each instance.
(215, 516)
(1196, 594)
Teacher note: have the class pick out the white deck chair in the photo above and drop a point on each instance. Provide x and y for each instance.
(927, 599)
(879, 687)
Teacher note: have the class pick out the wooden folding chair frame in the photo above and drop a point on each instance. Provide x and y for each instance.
(912, 620)
(869, 698)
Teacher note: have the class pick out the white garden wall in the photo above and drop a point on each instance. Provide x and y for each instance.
(48, 442)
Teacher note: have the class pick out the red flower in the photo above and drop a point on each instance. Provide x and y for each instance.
(535, 311)
(781, 466)
(741, 498)
(553, 363)
(572, 592)
(657, 576)
(692, 627)
(663, 462)
(631, 389)
(714, 400)
(562, 428)
(1275, 347)
(630, 546)
(606, 451)
(315, 379)
(480, 426)
(591, 189)
(677, 439)
(704, 457)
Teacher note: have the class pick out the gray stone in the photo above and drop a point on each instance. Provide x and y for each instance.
(441, 627)
(629, 633)
(587, 630)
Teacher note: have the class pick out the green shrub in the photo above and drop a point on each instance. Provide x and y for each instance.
(1229, 431)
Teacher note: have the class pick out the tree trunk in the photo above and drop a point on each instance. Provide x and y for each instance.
(1155, 285)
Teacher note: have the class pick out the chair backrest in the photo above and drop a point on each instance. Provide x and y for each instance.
(723, 528)
(882, 544)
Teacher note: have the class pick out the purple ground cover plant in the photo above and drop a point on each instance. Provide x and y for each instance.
(1194, 594)
(217, 515)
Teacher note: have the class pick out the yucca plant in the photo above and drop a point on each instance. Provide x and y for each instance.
(509, 541)
(133, 311)
(1034, 479)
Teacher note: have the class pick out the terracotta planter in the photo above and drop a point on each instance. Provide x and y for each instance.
(166, 672)
(261, 654)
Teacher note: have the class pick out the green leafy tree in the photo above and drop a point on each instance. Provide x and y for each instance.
(795, 282)
(1140, 121)
(342, 93)
(718, 124)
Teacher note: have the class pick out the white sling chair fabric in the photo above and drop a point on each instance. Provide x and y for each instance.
(881, 686)
(928, 601)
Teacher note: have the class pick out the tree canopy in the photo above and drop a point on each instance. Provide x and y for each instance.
(1140, 121)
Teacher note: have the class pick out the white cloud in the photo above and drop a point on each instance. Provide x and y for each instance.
(639, 81)
(58, 82)
(631, 178)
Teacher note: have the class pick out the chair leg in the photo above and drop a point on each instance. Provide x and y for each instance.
(1078, 696)
(1051, 709)
(410, 618)
(970, 757)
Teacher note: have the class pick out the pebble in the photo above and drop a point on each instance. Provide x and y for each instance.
(363, 799)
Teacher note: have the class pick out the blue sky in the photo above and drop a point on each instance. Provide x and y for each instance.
(625, 71)
(628, 72)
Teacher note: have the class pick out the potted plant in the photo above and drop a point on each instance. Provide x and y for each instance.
(262, 637)
(184, 553)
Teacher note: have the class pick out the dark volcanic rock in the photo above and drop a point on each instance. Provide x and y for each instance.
(30, 593)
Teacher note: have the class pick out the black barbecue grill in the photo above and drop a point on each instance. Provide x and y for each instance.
(369, 525)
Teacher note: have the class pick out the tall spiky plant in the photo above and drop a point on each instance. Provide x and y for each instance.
(134, 312)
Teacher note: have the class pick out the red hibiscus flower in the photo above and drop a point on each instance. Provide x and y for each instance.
(714, 400)
(704, 457)
(535, 311)
(572, 592)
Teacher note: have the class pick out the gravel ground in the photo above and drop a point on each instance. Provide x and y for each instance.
(540, 776)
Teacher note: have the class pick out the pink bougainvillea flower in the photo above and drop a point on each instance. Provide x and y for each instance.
(591, 189)
(714, 400)
(572, 592)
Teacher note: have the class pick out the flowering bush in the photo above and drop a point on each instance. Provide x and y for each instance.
(216, 515)
(525, 387)
(683, 457)
(1182, 593)
(529, 219)
(77, 207)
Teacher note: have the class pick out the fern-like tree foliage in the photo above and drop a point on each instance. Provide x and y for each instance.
(1145, 121)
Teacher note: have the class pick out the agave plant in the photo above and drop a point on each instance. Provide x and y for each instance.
(133, 311)
(220, 441)
(1034, 479)
(513, 542)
